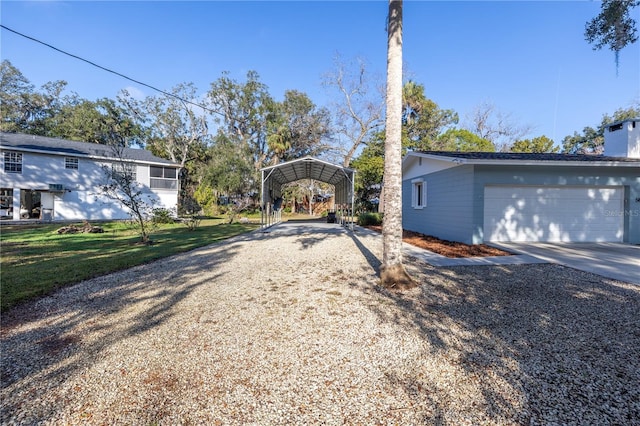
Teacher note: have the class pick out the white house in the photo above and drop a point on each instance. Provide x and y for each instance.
(55, 179)
(473, 197)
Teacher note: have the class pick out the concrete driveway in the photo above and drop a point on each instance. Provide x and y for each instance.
(611, 260)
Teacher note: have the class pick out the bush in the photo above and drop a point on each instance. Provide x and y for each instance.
(188, 206)
(162, 216)
(370, 219)
(206, 199)
(192, 222)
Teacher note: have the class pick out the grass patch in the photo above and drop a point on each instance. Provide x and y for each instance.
(37, 260)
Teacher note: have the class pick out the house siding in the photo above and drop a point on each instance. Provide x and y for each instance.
(82, 199)
(627, 177)
(450, 205)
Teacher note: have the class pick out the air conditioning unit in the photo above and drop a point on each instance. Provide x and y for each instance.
(56, 187)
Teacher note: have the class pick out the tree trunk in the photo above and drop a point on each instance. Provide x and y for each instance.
(392, 273)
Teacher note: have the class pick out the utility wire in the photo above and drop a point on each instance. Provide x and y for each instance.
(111, 71)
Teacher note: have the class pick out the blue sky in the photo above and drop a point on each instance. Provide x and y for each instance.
(529, 59)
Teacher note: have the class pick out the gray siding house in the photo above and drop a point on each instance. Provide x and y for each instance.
(476, 197)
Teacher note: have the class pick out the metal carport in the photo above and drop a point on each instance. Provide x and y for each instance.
(274, 177)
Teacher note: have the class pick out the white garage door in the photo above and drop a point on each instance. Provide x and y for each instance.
(569, 214)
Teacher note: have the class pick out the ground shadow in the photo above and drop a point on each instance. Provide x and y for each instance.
(52, 322)
(536, 330)
(371, 258)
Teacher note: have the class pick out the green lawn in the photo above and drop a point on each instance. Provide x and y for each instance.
(34, 260)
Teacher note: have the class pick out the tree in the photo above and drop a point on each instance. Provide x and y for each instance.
(295, 193)
(298, 128)
(422, 119)
(267, 131)
(173, 129)
(102, 122)
(205, 199)
(229, 170)
(121, 186)
(15, 88)
(540, 144)
(230, 173)
(496, 127)
(369, 166)
(48, 113)
(392, 273)
(613, 27)
(245, 113)
(591, 141)
(464, 141)
(22, 108)
(360, 111)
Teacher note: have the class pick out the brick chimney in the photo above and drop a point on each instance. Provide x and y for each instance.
(622, 139)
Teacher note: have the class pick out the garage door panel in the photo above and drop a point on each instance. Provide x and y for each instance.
(554, 214)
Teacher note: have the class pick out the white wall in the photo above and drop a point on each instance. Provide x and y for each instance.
(82, 199)
(623, 142)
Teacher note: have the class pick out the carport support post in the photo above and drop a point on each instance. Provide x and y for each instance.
(262, 201)
(353, 197)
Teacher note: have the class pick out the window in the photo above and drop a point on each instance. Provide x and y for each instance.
(418, 193)
(163, 177)
(13, 162)
(125, 169)
(615, 127)
(163, 172)
(71, 163)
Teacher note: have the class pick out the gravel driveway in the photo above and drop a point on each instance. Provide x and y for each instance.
(292, 328)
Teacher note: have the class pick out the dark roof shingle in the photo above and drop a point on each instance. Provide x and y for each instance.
(523, 156)
(80, 149)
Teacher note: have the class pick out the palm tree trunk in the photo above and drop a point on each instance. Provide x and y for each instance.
(392, 273)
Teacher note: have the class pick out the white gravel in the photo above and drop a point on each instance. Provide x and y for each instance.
(292, 328)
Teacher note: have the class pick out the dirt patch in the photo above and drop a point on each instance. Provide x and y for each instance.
(447, 248)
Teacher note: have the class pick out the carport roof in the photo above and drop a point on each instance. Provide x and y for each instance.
(308, 168)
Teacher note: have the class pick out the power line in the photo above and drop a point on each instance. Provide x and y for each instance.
(109, 70)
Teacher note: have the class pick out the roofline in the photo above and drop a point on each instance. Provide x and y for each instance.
(621, 121)
(93, 157)
(307, 158)
(511, 162)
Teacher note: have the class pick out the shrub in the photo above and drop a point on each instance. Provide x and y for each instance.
(188, 206)
(162, 216)
(192, 222)
(370, 219)
(206, 199)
